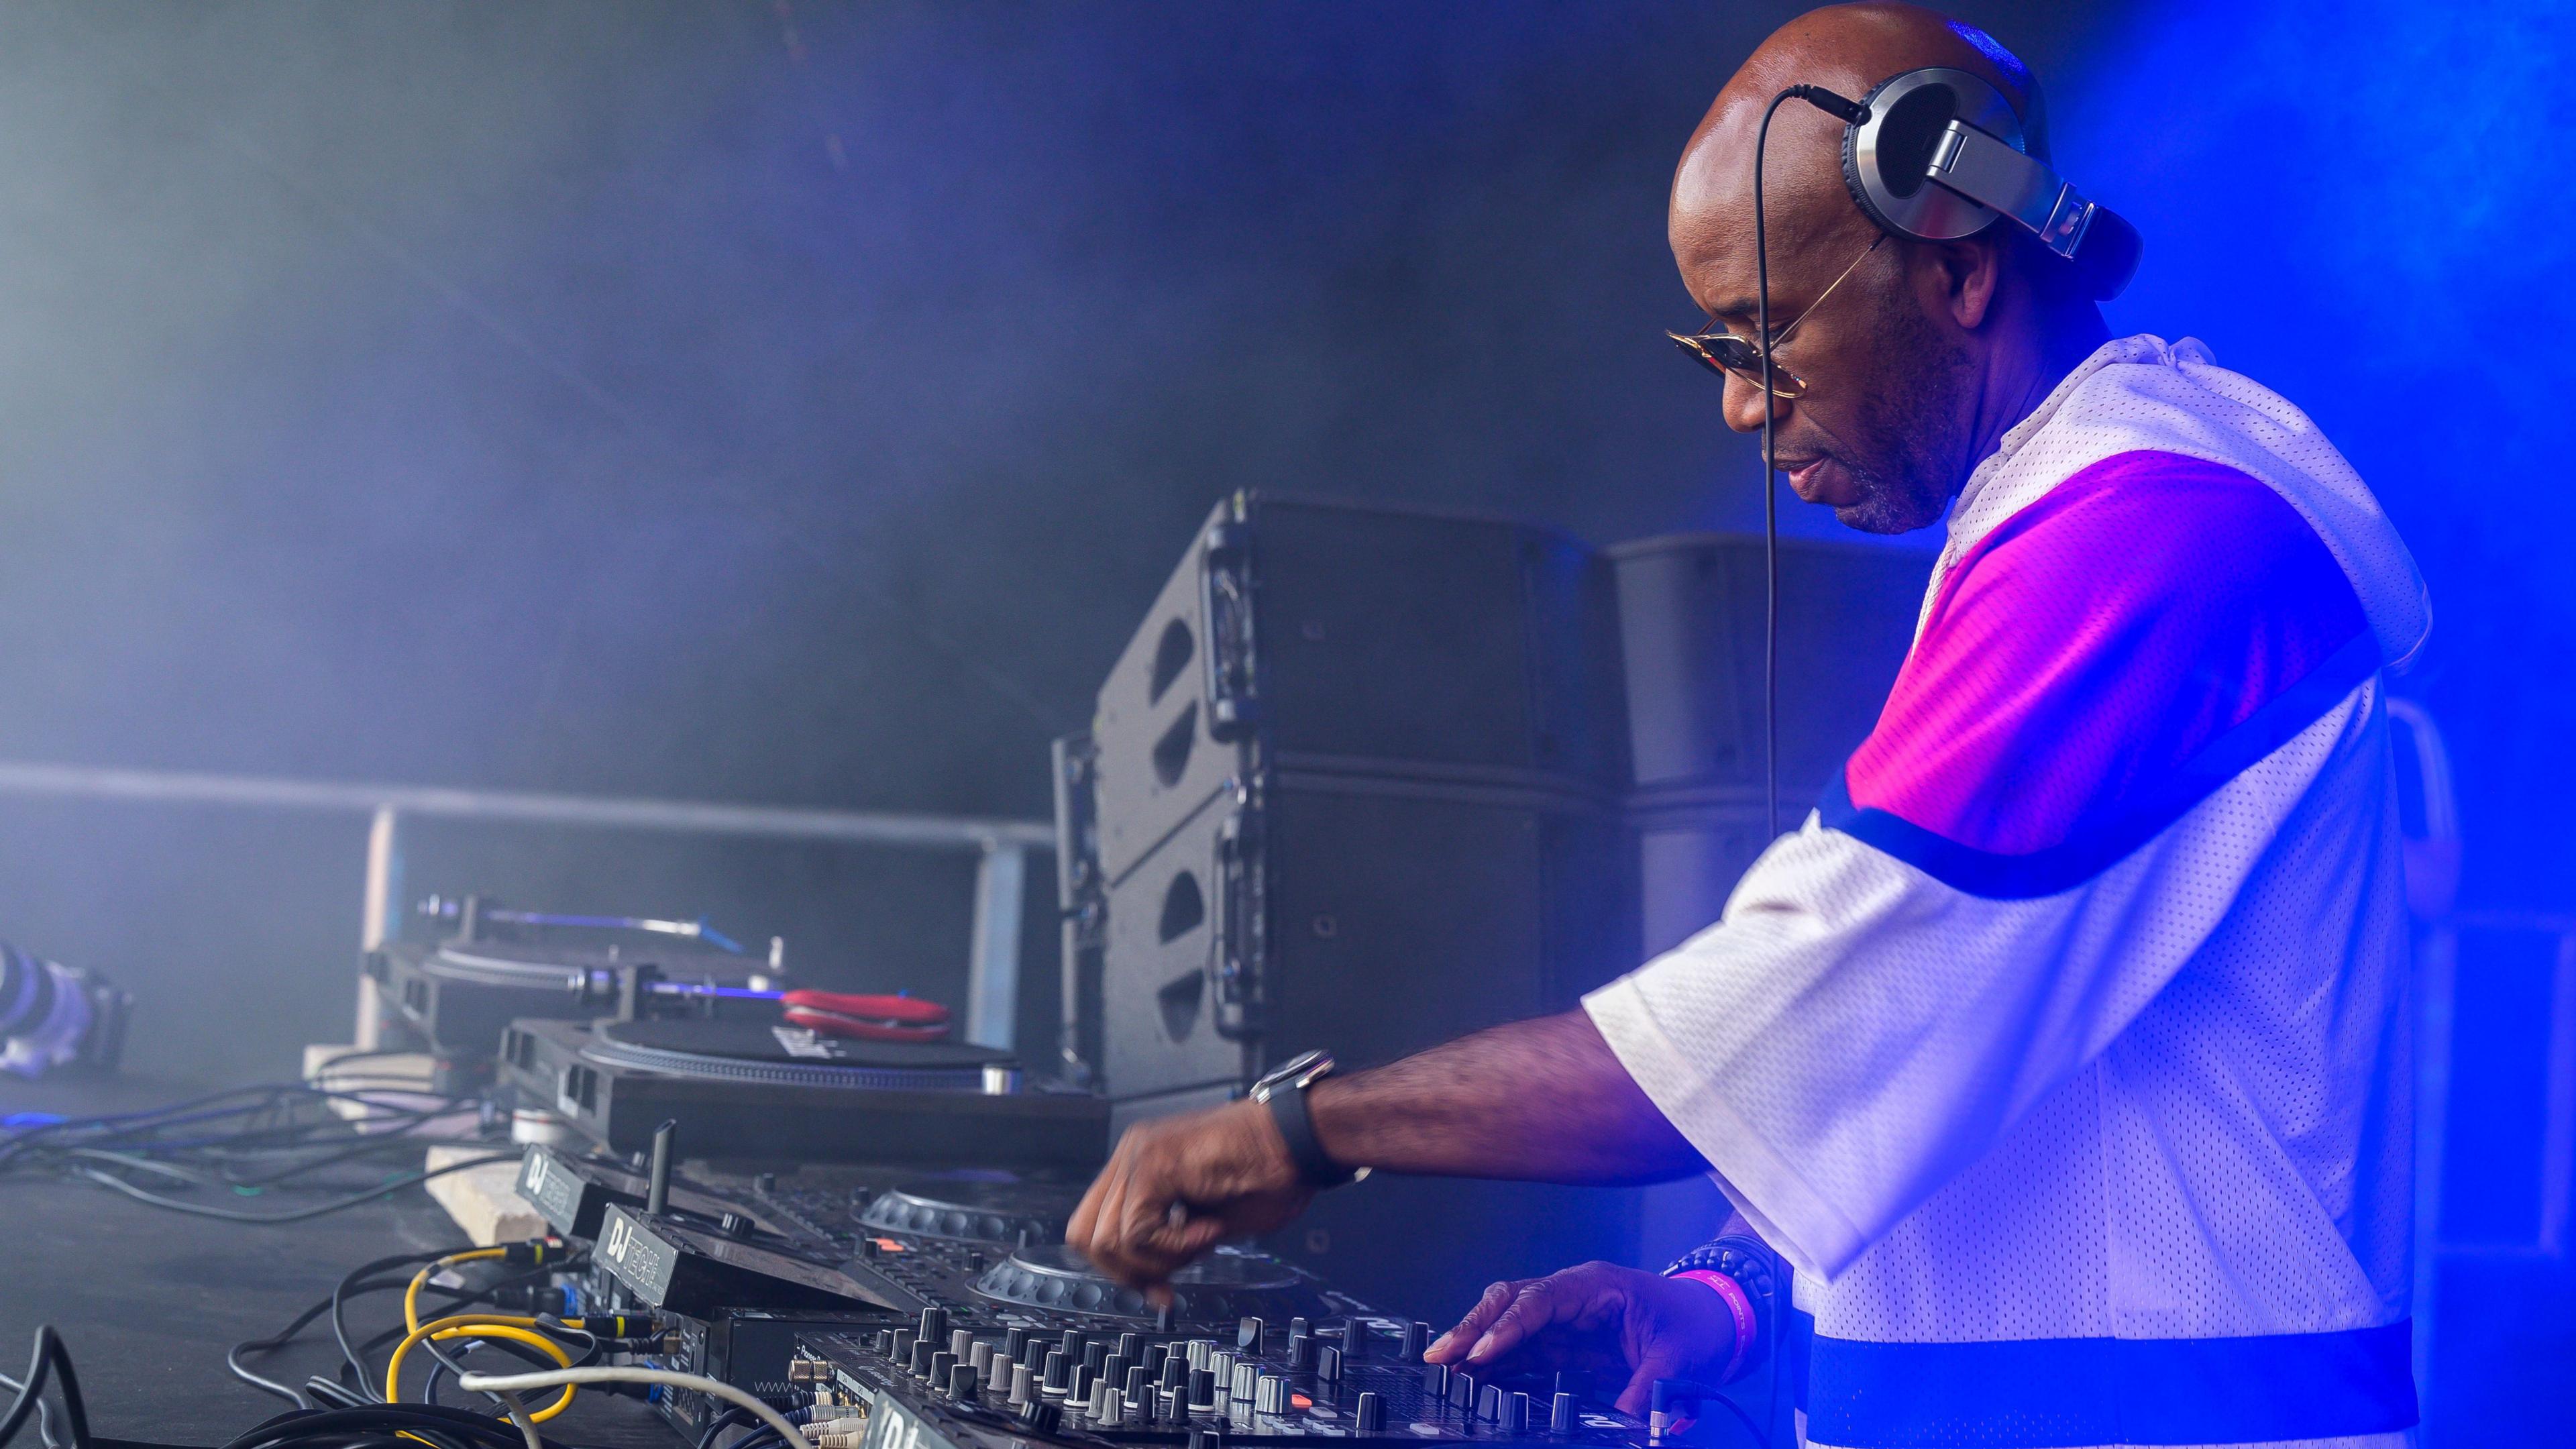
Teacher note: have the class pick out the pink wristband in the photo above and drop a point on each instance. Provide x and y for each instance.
(1738, 1307)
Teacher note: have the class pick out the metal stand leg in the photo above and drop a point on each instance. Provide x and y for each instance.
(993, 967)
(382, 920)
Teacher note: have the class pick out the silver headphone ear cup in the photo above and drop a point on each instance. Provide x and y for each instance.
(1898, 107)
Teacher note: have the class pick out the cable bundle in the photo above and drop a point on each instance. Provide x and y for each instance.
(246, 1142)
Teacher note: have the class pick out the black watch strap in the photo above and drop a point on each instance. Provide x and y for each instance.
(1296, 1125)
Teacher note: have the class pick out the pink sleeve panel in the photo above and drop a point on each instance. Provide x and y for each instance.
(2096, 666)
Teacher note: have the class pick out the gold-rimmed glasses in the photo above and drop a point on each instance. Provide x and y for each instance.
(1722, 352)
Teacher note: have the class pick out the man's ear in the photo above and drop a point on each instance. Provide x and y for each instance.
(1968, 271)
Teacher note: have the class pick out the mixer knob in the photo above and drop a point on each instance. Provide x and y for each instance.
(961, 1382)
(1489, 1404)
(1417, 1337)
(1221, 1364)
(919, 1362)
(1176, 1371)
(1077, 1388)
(1328, 1364)
(975, 1262)
(1016, 1343)
(934, 1325)
(1140, 1385)
(1435, 1383)
(940, 1365)
(1516, 1413)
(1200, 1348)
(1247, 1379)
(1355, 1339)
(1301, 1350)
(961, 1343)
(1298, 1325)
(1247, 1334)
(902, 1350)
(1059, 1369)
(1202, 1390)
(997, 1371)
(1163, 1318)
(884, 1343)
(1207, 1436)
(980, 1354)
(1270, 1396)
(1113, 1370)
(1072, 1344)
(1131, 1347)
(1024, 1389)
(1370, 1415)
(1560, 1416)
(1462, 1393)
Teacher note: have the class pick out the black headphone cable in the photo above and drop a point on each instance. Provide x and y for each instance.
(1851, 113)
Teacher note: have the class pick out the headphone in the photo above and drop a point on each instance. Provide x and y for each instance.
(1937, 154)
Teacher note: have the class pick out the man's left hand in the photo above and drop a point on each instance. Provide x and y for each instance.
(1597, 1314)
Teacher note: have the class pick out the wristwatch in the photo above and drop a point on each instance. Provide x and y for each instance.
(1283, 1090)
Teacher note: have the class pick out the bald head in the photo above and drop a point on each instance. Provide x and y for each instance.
(1923, 353)
(1846, 49)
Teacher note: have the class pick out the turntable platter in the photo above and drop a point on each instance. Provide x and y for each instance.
(1221, 1288)
(753, 1051)
(568, 966)
(1001, 1213)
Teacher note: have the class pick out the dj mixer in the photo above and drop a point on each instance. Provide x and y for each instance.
(945, 1312)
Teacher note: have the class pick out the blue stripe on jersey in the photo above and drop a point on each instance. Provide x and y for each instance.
(2029, 1393)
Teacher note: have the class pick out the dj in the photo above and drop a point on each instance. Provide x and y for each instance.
(2062, 1054)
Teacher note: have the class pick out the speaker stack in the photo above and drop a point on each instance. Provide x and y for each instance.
(1363, 780)
(1690, 625)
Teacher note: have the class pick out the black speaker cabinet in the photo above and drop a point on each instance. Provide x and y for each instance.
(1371, 915)
(1690, 616)
(1302, 634)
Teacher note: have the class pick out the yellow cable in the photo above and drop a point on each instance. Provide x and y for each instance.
(411, 1295)
(480, 1325)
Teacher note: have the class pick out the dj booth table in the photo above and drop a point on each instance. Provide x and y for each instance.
(148, 1300)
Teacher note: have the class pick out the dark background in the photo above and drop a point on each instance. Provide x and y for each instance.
(799, 402)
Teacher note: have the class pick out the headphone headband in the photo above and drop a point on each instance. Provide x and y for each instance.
(1937, 154)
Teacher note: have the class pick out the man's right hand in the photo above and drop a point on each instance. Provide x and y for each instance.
(1597, 1315)
(1176, 1187)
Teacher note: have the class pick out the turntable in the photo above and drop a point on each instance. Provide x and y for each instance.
(500, 965)
(755, 1090)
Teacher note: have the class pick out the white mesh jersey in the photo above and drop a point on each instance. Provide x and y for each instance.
(2063, 1050)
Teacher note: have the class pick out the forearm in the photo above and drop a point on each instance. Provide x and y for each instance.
(1543, 1100)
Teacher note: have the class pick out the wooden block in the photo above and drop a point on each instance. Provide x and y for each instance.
(484, 1200)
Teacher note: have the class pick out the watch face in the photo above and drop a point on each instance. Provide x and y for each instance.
(1299, 1069)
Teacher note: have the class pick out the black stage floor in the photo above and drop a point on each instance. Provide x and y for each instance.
(148, 1300)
